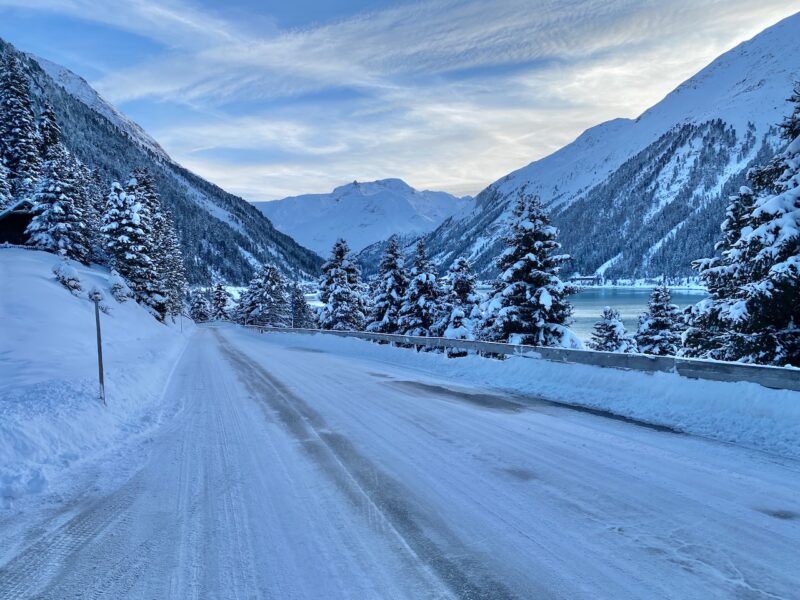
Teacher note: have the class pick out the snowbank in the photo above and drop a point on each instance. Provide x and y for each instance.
(742, 413)
(50, 412)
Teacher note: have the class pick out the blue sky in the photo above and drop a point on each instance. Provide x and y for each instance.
(270, 99)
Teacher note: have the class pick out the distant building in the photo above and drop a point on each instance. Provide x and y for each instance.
(586, 279)
(14, 220)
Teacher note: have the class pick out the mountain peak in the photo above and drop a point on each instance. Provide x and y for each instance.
(373, 187)
(363, 212)
(660, 180)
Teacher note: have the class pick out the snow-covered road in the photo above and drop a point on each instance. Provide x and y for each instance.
(288, 472)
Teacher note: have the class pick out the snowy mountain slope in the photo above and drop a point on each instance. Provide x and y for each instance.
(658, 183)
(50, 412)
(77, 87)
(222, 236)
(362, 213)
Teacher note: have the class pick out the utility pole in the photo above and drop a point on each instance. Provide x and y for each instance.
(96, 300)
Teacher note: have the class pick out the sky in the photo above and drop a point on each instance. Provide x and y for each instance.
(276, 98)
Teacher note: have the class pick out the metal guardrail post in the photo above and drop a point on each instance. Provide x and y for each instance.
(99, 351)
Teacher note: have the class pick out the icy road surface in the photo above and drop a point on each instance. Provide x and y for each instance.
(287, 473)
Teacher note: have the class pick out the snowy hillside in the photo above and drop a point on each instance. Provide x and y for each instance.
(50, 413)
(659, 182)
(78, 88)
(361, 212)
(223, 234)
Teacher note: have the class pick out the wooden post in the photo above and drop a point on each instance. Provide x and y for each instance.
(99, 351)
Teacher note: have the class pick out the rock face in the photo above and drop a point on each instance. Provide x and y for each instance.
(221, 235)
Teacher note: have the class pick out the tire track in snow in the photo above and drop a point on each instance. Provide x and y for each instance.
(436, 548)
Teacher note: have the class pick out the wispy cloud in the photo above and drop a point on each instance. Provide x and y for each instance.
(446, 94)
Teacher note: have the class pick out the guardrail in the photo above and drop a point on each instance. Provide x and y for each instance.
(692, 368)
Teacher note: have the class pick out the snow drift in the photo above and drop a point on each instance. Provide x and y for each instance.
(50, 412)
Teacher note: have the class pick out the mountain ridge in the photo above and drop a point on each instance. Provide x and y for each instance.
(682, 156)
(362, 213)
(222, 236)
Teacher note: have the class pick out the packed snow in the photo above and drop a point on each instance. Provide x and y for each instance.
(298, 466)
(50, 411)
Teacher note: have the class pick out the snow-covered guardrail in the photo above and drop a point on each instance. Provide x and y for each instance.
(771, 377)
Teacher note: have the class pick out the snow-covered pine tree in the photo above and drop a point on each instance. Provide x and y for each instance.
(142, 185)
(279, 313)
(340, 292)
(457, 327)
(126, 227)
(58, 223)
(766, 319)
(422, 303)
(708, 333)
(120, 290)
(659, 330)
(93, 208)
(609, 334)
(530, 305)
(790, 128)
(265, 301)
(19, 140)
(753, 312)
(249, 300)
(5, 184)
(49, 132)
(174, 268)
(302, 317)
(389, 289)
(199, 309)
(219, 302)
(461, 292)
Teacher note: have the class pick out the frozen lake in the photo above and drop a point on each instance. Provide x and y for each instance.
(630, 302)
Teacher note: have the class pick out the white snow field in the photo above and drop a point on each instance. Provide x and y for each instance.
(298, 466)
(50, 412)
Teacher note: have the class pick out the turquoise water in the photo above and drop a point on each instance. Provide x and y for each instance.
(630, 302)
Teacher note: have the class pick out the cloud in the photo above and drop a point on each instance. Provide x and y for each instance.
(446, 94)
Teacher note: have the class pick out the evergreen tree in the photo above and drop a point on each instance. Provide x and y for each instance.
(120, 290)
(199, 310)
(422, 303)
(609, 334)
(461, 292)
(49, 132)
(93, 208)
(58, 224)
(141, 185)
(708, 333)
(173, 268)
(790, 128)
(659, 330)
(19, 143)
(753, 312)
(265, 301)
(126, 227)
(219, 303)
(302, 317)
(5, 185)
(389, 290)
(340, 293)
(530, 305)
(765, 317)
